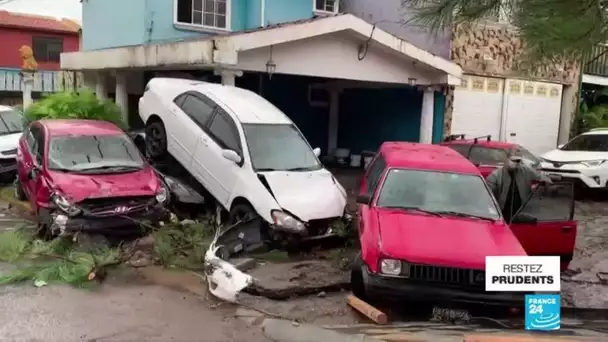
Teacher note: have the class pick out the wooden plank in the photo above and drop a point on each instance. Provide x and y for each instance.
(369, 311)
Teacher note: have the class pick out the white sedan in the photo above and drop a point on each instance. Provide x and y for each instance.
(245, 152)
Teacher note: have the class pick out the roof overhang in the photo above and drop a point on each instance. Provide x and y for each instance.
(222, 50)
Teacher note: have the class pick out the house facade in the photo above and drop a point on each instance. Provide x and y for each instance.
(48, 38)
(346, 83)
(534, 108)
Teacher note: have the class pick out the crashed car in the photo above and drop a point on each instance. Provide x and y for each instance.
(247, 154)
(11, 126)
(488, 154)
(86, 176)
(427, 221)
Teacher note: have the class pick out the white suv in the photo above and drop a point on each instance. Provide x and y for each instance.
(11, 126)
(584, 158)
(246, 153)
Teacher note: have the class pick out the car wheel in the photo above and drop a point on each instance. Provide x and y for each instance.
(156, 139)
(357, 286)
(244, 212)
(19, 193)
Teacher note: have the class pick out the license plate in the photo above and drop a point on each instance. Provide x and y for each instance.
(450, 315)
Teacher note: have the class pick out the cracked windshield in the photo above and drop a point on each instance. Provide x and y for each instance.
(438, 192)
(103, 153)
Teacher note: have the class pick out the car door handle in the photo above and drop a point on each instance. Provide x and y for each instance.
(566, 229)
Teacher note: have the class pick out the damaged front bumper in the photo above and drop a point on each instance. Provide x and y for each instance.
(8, 165)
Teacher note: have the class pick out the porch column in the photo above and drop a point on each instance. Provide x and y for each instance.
(228, 75)
(426, 116)
(101, 86)
(570, 99)
(334, 110)
(122, 97)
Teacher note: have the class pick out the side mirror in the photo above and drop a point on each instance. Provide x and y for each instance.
(317, 152)
(560, 145)
(33, 173)
(524, 219)
(364, 199)
(232, 156)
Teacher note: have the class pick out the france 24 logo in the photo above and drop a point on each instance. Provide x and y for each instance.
(543, 312)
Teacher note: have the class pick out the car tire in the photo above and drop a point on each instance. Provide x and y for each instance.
(357, 285)
(19, 193)
(156, 140)
(241, 211)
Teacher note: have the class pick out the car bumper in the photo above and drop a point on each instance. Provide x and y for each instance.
(403, 289)
(595, 178)
(8, 165)
(63, 224)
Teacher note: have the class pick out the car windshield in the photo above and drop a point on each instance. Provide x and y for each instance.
(11, 121)
(94, 153)
(279, 147)
(588, 142)
(527, 155)
(438, 192)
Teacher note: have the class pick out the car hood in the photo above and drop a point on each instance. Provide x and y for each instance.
(573, 156)
(77, 187)
(307, 195)
(444, 241)
(9, 142)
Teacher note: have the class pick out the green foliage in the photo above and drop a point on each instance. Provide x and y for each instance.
(183, 246)
(551, 29)
(75, 105)
(594, 117)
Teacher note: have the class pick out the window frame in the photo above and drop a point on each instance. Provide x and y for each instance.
(235, 130)
(201, 27)
(36, 148)
(324, 11)
(41, 56)
(381, 161)
(179, 101)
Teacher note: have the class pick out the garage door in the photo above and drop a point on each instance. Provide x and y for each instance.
(478, 106)
(533, 112)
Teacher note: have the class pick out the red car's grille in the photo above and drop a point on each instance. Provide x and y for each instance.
(448, 275)
(115, 205)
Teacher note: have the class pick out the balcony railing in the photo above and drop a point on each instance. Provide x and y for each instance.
(596, 63)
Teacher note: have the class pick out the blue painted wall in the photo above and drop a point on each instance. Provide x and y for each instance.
(438, 115)
(109, 23)
(279, 11)
(253, 14)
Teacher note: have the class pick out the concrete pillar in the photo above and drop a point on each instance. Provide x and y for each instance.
(101, 89)
(228, 75)
(28, 85)
(122, 97)
(569, 106)
(334, 112)
(426, 116)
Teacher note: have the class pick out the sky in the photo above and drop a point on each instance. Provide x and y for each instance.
(54, 8)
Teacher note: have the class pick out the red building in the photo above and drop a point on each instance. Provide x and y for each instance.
(48, 37)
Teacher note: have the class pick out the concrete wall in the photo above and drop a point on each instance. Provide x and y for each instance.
(12, 39)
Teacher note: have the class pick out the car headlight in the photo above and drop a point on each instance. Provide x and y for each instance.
(162, 195)
(64, 205)
(287, 221)
(390, 267)
(9, 152)
(593, 163)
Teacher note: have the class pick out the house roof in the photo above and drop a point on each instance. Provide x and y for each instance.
(37, 22)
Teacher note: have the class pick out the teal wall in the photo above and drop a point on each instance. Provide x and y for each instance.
(253, 14)
(438, 115)
(278, 11)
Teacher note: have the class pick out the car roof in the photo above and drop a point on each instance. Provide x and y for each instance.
(59, 127)
(597, 131)
(425, 157)
(247, 106)
(483, 142)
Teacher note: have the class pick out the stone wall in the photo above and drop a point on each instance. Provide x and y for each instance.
(495, 50)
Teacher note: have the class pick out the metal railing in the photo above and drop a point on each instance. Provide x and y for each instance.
(596, 62)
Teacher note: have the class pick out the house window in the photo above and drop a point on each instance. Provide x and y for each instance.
(206, 13)
(47, 49)
(326, 6)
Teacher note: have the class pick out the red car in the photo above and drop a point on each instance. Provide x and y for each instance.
(427, 220)
(86, 176)
(488, 154)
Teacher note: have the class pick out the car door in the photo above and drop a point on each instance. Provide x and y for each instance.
(222, 173)
(24, 157)
(545, 224)
(191, 114)
(34, 163)
(372, 175)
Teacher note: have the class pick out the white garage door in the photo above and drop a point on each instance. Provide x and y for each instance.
(533, 112)
(478, 106)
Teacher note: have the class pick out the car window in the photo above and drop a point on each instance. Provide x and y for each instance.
(524, 153)
(550, 202)
(35, 142)
(588, 142)
(487, 156)
(374, 174)
(199, 110)
(11, 121)
(224, 131)
(460, 148)
(437, 191)
(30, 139)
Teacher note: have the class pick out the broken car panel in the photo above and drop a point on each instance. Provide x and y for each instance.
(83, 175)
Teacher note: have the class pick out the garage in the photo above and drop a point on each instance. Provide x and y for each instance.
(518, 111)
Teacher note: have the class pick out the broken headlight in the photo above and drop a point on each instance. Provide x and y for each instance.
(162, 195)
(287, 222)
(64, 205)
(394, 267)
